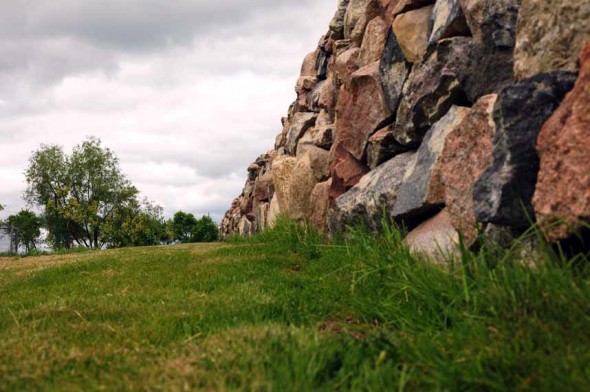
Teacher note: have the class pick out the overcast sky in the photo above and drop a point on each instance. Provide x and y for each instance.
(186, 92)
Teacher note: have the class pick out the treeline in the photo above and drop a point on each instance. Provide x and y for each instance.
(86, 201)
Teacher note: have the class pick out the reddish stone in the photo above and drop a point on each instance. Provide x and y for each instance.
(467, 153)
(373, 42)
(345, 171)
(562, 196)
(361, 110)
(436, 238)
(263, 188)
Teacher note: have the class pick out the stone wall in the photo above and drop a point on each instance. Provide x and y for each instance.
(452, 116)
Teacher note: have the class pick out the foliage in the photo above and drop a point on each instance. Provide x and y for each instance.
(80, 192)
(135, 224)
(28, 227)
(186, 228)
(361, 314)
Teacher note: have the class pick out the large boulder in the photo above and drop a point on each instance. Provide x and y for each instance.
(433, 86)
(320, 204)
(466, 154)
(382, 147)
(447, 21)
(422, 189)
(562, 196)
(550, 34)
(411, 30)
(493, 24)
(361, 110)
(263, 187)
(282, 169)
(436, 238)
(337, 22)
(355, 13)
(504, 192)
(492, 20)
(345, 65)
(345, 170)
(301, 184)
(300, 124)
(319, 159)
(393, 71)
(373, 42)
(374, 195)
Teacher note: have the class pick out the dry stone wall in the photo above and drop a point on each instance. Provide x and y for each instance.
(451, 116)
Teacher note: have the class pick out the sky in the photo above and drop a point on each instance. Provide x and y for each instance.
(186, 93)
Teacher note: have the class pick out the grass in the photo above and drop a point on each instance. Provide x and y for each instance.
(289, 311)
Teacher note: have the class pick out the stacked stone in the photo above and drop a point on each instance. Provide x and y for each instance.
(451, 116)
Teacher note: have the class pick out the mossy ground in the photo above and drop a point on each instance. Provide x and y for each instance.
(289, 311)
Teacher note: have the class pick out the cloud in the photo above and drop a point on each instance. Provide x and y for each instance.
(186, 93)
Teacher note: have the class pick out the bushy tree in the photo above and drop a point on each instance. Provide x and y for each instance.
(205, 230)
(79, 193)
(183, 225)
(186, 228)
(28, 227)
(138, 224)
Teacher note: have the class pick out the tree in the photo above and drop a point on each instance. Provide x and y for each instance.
(205, 230)
(183, 225)
(79, 193)
(138, 224)
(186, 228)
(28, 227)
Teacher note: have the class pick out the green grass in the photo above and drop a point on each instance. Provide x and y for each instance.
(289, 311)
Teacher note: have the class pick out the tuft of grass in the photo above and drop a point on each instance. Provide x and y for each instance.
(290, 310)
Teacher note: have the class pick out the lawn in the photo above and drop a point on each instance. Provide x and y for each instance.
(289, 311)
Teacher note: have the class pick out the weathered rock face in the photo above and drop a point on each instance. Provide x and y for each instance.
(562, 196)
(375, 193)
(361, 110)
(422, 189)
(393, 71)
(550, 34)
(301, 123)
(466, 154)
(373, 42)
(411, 30)
(411, 108)
(447, 21)
(504, 192)
(382, 146)
(432, 88)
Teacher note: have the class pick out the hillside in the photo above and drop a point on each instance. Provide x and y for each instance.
(291, 312)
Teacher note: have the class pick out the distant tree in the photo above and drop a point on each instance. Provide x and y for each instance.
(79, 193)
(183, 225)
(137, 224)
(28, 227)
(186, 228)
(205, 230)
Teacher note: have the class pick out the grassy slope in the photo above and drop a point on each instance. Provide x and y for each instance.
(288, 313)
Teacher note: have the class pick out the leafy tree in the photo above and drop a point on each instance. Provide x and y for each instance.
(79, 193)
(186, 228)
(137, 224)
(205, 230)
(183, 225)
(28, 227)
